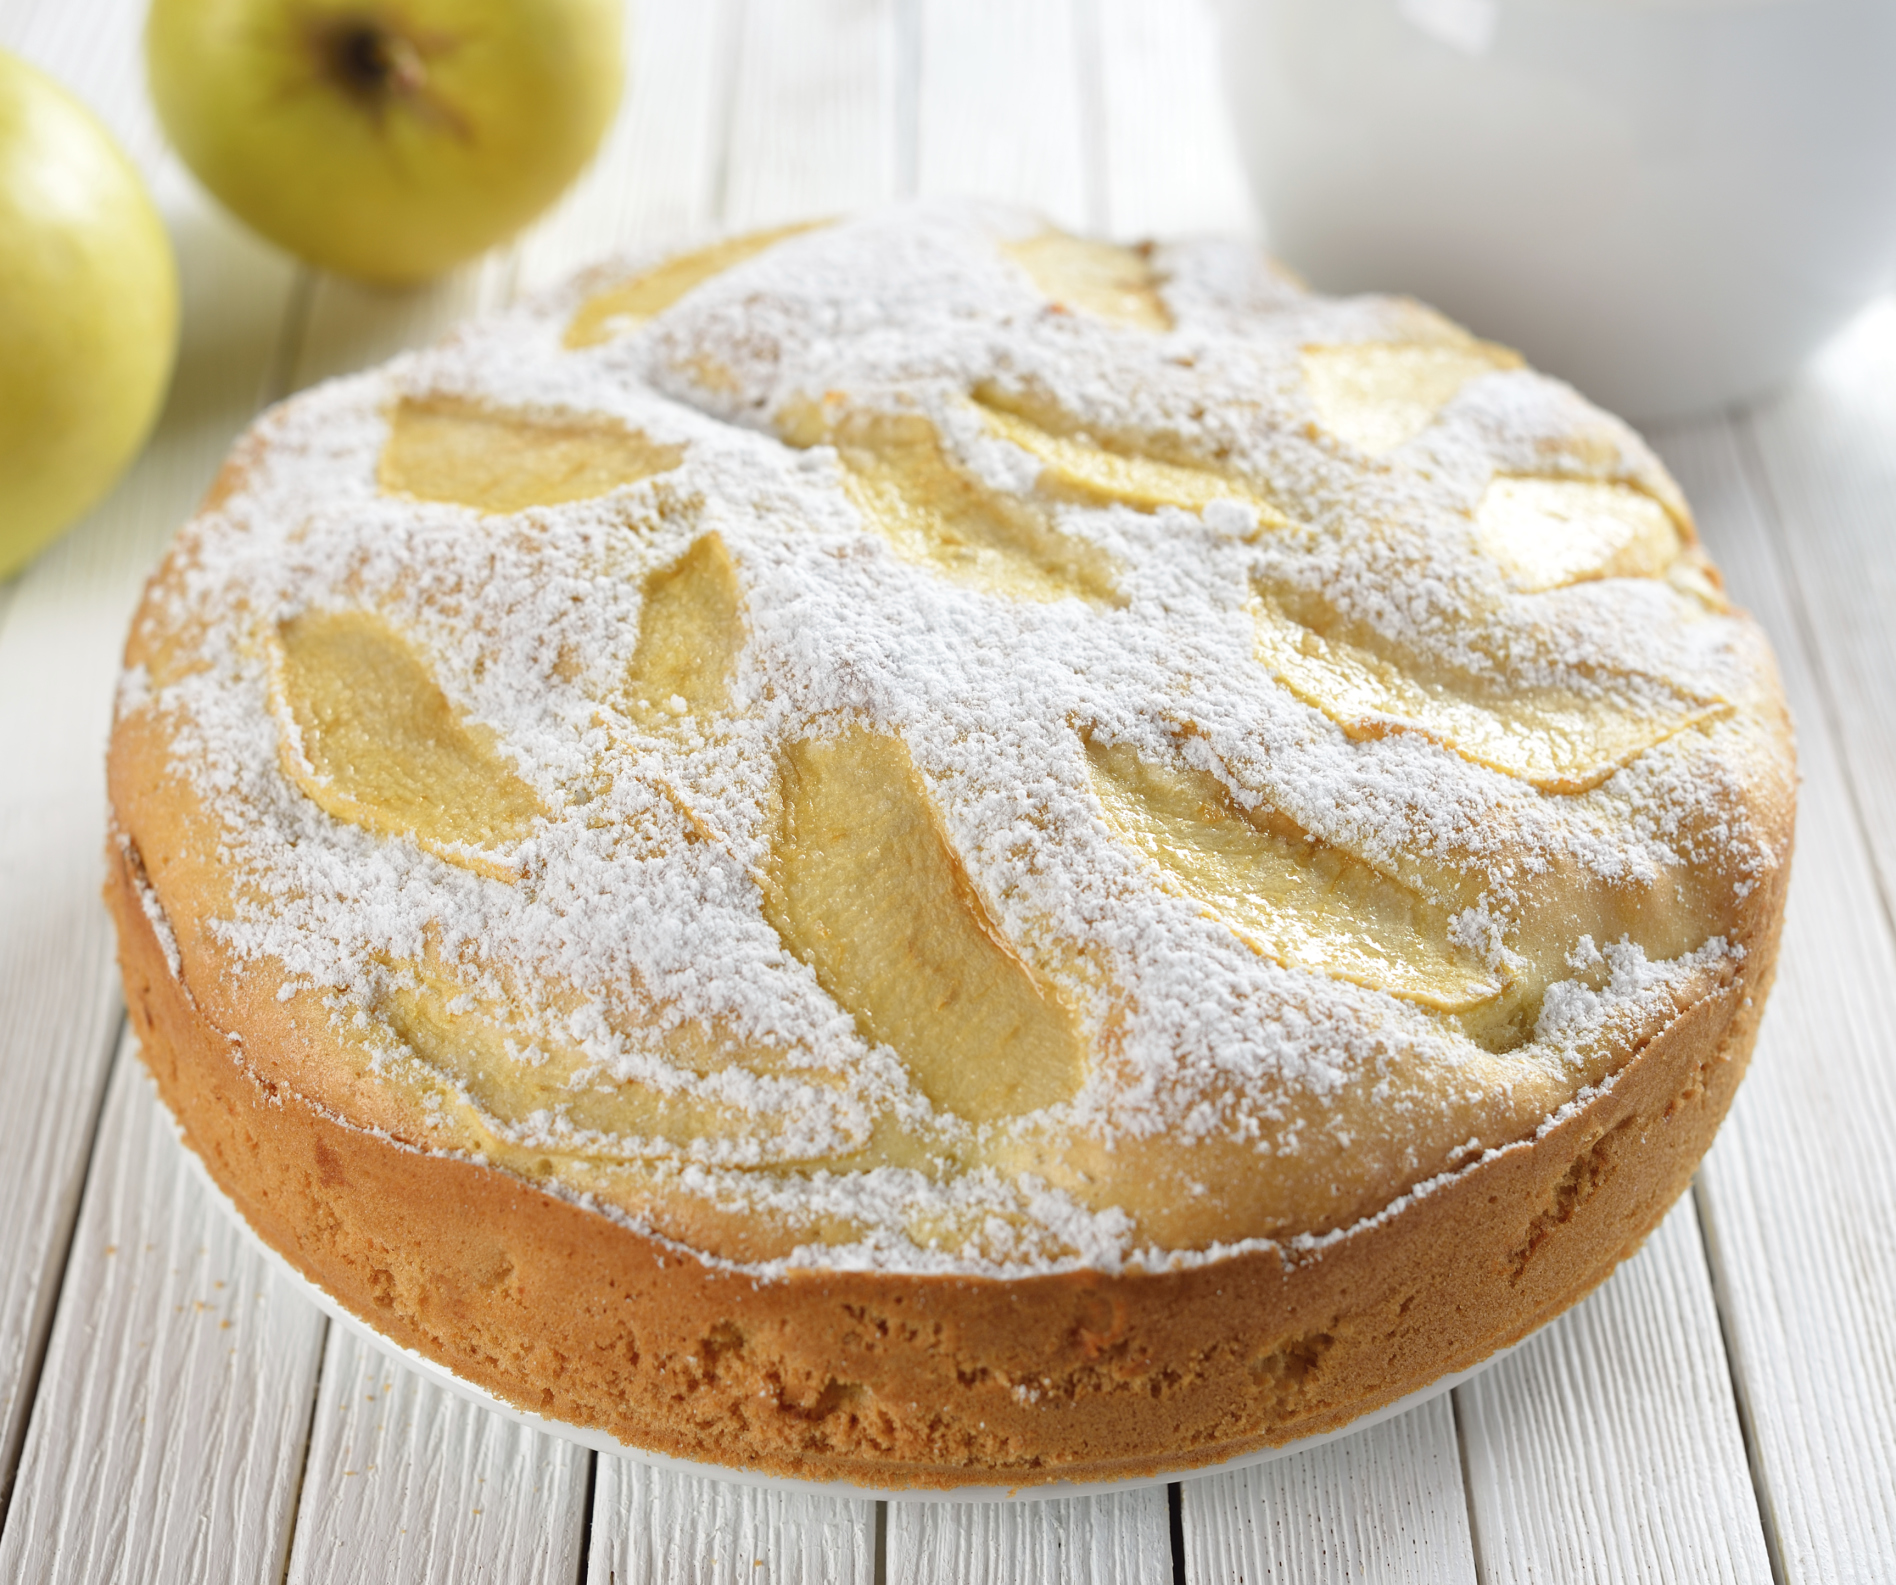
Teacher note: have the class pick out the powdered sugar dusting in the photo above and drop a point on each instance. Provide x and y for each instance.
(626, 1025)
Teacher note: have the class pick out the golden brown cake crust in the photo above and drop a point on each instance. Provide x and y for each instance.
(915, 1380)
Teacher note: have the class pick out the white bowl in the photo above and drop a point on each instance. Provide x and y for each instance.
(1670, 203)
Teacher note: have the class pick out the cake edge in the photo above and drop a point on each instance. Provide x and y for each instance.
(926, 1381)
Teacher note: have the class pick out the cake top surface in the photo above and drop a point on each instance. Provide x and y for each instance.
(924, 743)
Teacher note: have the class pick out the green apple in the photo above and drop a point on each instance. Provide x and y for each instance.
(88, 311)
(387, 139)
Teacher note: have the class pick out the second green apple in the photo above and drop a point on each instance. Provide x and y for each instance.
(391, 139)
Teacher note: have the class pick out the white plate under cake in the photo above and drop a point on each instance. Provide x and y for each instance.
(922, 851)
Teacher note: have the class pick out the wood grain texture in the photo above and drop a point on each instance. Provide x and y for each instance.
(353, 326)
(651, 1527)
(1800, 1190)
(1608, 1447)
(1001, 109)
(176, 1396)
(407, 1485)
(813, 111)
(1006, 108)
(1170, 158)
(1167, 171)
(771, 111)
(654, 178)
(1384, 1505)
(742, 112)
(1118, 1540)
(63, 629)
(406, 1481)
(1828, 449)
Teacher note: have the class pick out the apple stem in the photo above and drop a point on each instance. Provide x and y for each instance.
(372, 64)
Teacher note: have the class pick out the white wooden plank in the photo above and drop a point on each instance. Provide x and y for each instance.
(656, 173)
(1596, 1454)
(59, 647)
(171, 1420)
(1608, 1447)
(354, 1518)
(806, 90)
(1828, 445)
(1171, 164)
(352, 1529)
(1800, 1189)
(353, 326)
(1118, 1540)
(1159, 68)
(1000, 113)
(406, 1481)
(813, 111)
(654, 1528)
(1384, 1505)
(50, 934)
(61, 1011)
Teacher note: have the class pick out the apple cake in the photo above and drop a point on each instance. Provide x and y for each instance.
(921, 851)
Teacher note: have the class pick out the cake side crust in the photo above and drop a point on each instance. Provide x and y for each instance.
(938, 1381)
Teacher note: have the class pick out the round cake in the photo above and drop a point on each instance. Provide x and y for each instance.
(920, 851)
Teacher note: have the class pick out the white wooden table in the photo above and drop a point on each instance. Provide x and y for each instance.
(1725, 1408)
